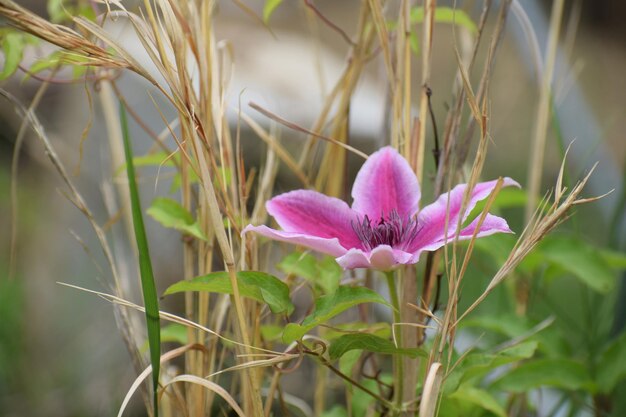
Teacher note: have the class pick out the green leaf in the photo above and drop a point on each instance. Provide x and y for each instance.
(174, 333)
(171, 333)
(329, 274)
(509, 197)
(171, 214)
(614, 259)
(508, 325)
(336, 411)
(259, 286)
(362, 401)
(224, 176)
(446, 15)
(329, 306)
(506, 356)
(301, 264)
(151, 159)
(551, 342)
(60, 12)
(78, 71)
(477, 365)
(480, 398)
(155, 159)
(612, 365)
(554, 372)
(324, 273)
(13, 48)
(293, 331)
(271, 332)
(269, 7)
(497, 247)
(449, 408)
(148, 288)
(56, 59)
(56, 11)
(381, 329)
(580, 259)
(370, 343)
(47, 62)
(86, 11)
(348, 361)
(177, 181)
(516, 352)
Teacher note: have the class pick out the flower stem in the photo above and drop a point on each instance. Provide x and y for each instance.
(398, 372)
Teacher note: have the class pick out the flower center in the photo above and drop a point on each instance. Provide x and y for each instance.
(393, 231)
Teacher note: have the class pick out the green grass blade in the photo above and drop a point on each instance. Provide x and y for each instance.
(148, 288)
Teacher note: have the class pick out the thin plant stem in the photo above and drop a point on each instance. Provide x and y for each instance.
(353, 382)
(19, 140)
(427, 42)
(330, 24)
(398, 371)
(543, 111)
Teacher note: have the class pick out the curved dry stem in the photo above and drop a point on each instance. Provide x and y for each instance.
(19, 140)
(212, 386)
(166, 357)
(430, 394)
(296, 127)
(166, 316)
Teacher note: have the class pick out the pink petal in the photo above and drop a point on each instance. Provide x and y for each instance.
(329, 246)
(492, 224)
(386, 182)
(432, 219)
(311, 213)
(382, 257)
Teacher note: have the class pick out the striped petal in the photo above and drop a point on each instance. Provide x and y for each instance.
(382, 257)
(329, 246)
(310, 213)
(433, 220)
(492, 224)
(386, 182)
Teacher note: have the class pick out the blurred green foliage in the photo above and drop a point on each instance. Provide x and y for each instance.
(12, 323)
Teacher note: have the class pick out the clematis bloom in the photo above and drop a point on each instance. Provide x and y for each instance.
(384, 227)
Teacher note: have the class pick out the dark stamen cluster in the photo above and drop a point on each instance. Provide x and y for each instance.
(393, 231)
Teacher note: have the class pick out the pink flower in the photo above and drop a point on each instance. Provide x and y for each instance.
(385, 227)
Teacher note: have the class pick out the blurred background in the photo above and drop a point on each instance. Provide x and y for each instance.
(60, 351)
